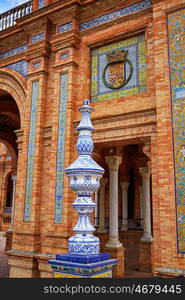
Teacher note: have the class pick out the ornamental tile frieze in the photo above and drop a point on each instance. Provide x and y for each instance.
(65, 27)
(116, 14)
(37, 37)
(14, 51)
(176, 35)
(59, 193)
(31, 151)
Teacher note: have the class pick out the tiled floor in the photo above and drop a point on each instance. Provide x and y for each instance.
(131, 265)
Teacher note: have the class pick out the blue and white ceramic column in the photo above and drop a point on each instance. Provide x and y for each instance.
(83, 258)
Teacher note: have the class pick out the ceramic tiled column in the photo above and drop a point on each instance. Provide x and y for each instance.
(83, 258)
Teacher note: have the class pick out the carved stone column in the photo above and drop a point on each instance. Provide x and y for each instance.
(124, 187)
(14, 178)
(113, 163)
(141, 204)
(147, 236)
(146, 245)
(101, 228)
(9, 233)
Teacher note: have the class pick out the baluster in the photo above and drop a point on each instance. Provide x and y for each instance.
(5, 22)
(8, 21)
(13, 12)
(27, 10)
(23, 11)
(15, 16)
(2, 23)
(9, 18)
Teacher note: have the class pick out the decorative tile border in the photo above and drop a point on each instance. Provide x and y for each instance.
(64, 55)
(41, 3)
(37, 37)
(61, 148)
(136, 54)
(31, 151)
(176, 34)
(20, 66)
(116, 14)
(36, 65)
(65, 27)
(14, 51)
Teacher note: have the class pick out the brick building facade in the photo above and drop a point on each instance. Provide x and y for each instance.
(128, 57)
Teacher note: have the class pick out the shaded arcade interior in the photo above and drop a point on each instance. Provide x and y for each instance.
(9, 123)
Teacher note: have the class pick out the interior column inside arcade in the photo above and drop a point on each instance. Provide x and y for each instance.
(131, 212)
(9, 123)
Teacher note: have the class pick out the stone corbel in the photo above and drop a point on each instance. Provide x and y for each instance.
(146, 148)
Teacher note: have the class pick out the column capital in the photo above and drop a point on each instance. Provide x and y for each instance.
(145, 172)
(124, 185)
(113, 162)
(14, 177)
(147, 150)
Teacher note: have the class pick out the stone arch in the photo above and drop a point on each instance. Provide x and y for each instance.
(15, 84)
(11, 150)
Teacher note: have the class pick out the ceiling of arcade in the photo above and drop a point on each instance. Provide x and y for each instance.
(9, 120)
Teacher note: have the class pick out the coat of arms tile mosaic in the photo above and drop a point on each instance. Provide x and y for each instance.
(176, 33)
(61, 148)
(119, 69)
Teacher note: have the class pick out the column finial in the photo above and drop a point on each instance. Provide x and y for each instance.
(84, 175)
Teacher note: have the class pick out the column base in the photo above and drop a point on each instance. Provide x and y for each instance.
(124, 228)
(117, 253)
(147, 238)
(113, 244)
(146, 256)
(82, 266)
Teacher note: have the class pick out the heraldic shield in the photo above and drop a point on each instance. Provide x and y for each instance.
(115, 72)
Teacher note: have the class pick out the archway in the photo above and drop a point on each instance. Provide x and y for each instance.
(9, 123)
(13, 105)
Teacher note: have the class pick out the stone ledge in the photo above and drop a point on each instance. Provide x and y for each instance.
(169, 272)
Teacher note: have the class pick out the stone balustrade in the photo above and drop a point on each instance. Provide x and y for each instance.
(8, 18)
